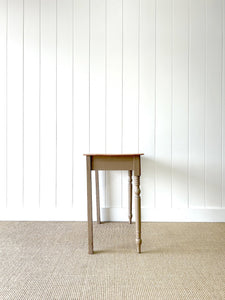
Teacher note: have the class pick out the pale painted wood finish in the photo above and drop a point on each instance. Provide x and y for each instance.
(130, 162)
(137, 198)
(111, 76)
(89, 206)
(97, 197)
(130, 196)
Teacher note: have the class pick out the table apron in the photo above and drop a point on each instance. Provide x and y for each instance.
(116, 163)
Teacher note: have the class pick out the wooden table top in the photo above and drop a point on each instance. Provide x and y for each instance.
(113, 154)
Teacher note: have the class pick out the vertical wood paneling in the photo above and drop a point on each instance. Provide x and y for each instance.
(180, 104)
(97, 84)
(64, 103)
(147, 99)
(223, 101)
(213, 122)
(163, 103)
(3, 100)
(48, 105)
(112, 76)
(97, 76)
(130, 75)
(80, 100)
(130, 142)
(15, 104)
(113, 96)
(197, 95)
(31, 103)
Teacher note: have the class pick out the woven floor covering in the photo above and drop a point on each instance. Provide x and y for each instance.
(49, 260)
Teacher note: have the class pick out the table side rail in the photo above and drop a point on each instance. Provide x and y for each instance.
(112, 163)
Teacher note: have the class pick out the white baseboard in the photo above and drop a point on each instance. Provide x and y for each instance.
(114, 214)
(167, 215)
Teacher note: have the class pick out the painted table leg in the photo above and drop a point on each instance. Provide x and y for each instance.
(89, 207)
(97, 197)
(130, 196)
(137, 212)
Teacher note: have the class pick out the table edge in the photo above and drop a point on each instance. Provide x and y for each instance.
(124, 154)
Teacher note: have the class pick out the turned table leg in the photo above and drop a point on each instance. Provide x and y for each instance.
(89, 207)
(97, 197)
(130, 196)
(137, 212)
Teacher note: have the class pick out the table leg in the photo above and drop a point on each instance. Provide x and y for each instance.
(130, 196)
(97, 196)
(89, 207)
(137, 212)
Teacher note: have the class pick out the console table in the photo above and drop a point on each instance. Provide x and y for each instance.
(129, 162)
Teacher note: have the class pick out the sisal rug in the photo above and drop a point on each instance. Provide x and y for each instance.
(49, 260)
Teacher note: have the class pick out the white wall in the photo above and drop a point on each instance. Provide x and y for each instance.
(112, 76)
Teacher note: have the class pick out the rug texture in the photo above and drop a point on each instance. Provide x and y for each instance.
(49, 260)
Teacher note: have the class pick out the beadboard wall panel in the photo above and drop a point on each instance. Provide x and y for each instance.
(31, 103)
(147, 92)
(64, 103)
(163, 137)
(108, 76)
(97, 85)
(130, 81)
(179, 109)
(15, 104)
(113, 96)
(3, 103)
(48, 104)
(213, 109)
(223, 101)
(196, 103)
(81, 113)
